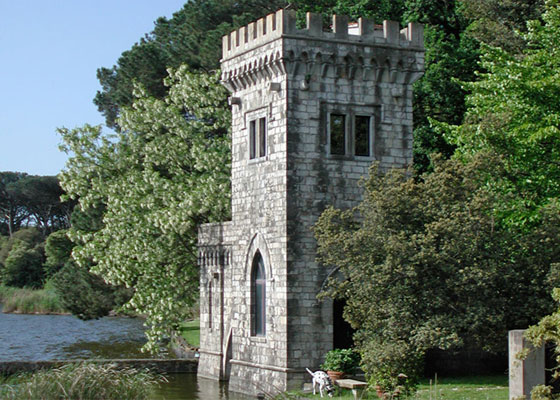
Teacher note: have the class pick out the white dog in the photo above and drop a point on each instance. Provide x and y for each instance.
(321, 379)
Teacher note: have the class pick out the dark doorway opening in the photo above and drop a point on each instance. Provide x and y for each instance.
(342, 331)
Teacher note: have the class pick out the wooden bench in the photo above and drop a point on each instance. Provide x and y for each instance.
(357, 387)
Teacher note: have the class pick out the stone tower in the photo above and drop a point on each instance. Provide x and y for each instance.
(311, 111)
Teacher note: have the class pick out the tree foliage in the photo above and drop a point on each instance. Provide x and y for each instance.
(58, 249)
(31, 236)
(426, 264)
(375, 10)
(529, 133)
(513, 111)
(191, 37)
(24, 266)
(165, 173)
(497, 23)
(86, 295)
(451, 53)
(12, 212)
(32, 200)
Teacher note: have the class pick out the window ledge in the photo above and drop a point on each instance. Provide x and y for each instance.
(257, 160)
(257, 339)
(350, 158)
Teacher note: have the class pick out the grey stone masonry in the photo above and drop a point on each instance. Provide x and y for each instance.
(526, 373)
(311, 111)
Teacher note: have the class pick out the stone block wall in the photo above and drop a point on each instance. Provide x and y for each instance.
(215, 264)
(349, 75)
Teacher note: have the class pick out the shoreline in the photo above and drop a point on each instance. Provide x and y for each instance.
(36, 312)
(161, 365)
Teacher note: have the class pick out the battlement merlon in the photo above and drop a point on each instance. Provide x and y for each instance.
(283, 23)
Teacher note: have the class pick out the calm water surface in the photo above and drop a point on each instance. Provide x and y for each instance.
(65, 337)
(189, 387)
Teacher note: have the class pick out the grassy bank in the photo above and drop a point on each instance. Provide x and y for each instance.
(465, 388)
(30, 301)
(190, 331)
(462, 388)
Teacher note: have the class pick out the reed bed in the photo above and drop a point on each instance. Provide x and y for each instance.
(30, 301)
(83, 381)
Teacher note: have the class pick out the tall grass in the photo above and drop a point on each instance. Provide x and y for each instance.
(30, 301)
(83, 381)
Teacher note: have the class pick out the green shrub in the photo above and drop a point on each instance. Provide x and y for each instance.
(83, 381)
(31, 236)
(58, 249)
(86, 295)
(23, 266)
(542, 392)
(341, 360)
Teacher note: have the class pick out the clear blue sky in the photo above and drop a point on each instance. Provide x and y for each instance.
(49, 53)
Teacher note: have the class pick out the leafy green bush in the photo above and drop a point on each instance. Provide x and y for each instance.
(58, 249)
(341, 360)
(82, 381)
(426, 263)
(23, 266)
(86, 295)
(31, 236)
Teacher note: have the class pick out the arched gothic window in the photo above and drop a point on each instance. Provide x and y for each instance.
(258, 296)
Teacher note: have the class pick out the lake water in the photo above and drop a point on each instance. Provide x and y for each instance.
(65, 337)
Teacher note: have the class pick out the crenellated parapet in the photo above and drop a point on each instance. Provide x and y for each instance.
(361, 51)
(283, 23)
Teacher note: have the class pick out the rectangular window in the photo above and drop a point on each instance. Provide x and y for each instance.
(350, 131)
(338, 134)
(252, 139)
(262, 137)
(362, 136)
(257, 138)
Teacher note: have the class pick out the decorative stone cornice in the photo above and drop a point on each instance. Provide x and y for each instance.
(390, 67)
(263, 67)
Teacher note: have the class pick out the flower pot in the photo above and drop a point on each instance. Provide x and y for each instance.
(334, 375)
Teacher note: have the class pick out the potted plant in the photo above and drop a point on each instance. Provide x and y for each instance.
(339, 362)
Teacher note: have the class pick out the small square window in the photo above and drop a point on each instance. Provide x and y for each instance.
(350, 134)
